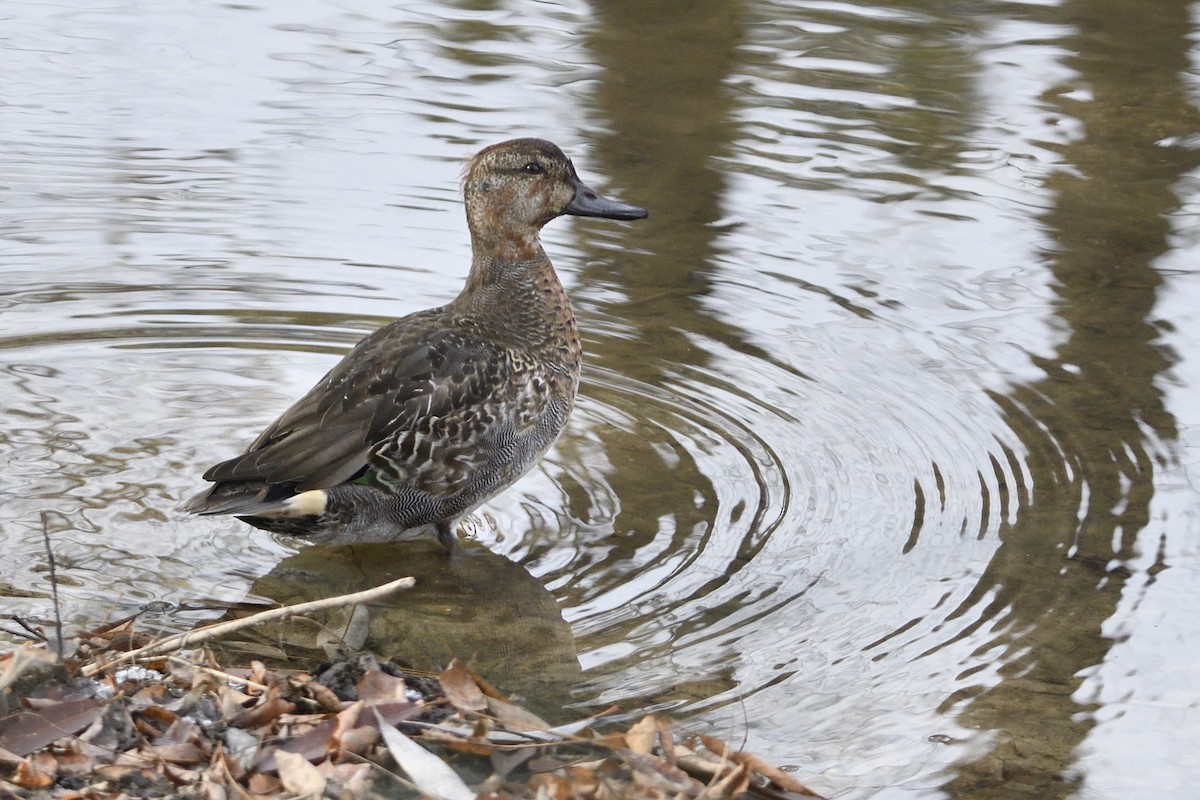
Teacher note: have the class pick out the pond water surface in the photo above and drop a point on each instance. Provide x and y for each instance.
(887, 455)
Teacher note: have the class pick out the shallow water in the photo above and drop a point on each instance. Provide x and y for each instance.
(886, 459)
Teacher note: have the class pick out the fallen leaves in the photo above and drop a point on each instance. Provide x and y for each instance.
(250, 733)
(179, 725)
(28, 731)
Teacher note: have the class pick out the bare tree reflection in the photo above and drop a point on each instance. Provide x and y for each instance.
(1058, 574)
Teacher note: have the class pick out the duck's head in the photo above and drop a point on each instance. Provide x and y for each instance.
(526, 183)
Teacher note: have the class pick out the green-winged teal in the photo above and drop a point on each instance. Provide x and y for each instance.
(434, 413)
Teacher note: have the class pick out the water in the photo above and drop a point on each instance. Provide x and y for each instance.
(886, 458)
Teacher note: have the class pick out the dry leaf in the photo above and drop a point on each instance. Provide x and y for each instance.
(640, 738)
(358, 740)
(28, 731)
(260, 674)
(116, 772)
(652, 769)
(396, 711)
(376, 686)
(35, 773)
(184, 753)
(348, 736)
(262, 783)
(347, 718)
(454, 741)
(666, 740)
(270, 708)
(430, 774)
(461, 688)
(298, 776)
(775, 775)
(74, 763)
(715, 745)
(323, 695)
(514, 717)
(551, 787)
(9, 758)
(181, 730)
(213, 787)
(734, 782)
(241, 748)
(312, 745)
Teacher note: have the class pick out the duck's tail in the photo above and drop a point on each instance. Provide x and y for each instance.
(257, 499)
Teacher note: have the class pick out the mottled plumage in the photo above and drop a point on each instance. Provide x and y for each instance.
(434, 413)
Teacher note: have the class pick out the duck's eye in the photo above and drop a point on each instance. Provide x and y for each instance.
(533, 168)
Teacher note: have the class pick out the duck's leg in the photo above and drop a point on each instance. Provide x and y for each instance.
(445, 535)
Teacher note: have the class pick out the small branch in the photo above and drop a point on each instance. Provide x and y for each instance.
(217, 630)
(58, 628)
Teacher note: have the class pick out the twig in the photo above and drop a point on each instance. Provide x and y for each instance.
(29, 632)
(58, 628)
(216, 673)
(209, 632)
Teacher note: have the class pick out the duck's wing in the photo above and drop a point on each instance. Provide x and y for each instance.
(405, 381)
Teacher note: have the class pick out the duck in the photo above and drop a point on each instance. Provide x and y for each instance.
(434, 413)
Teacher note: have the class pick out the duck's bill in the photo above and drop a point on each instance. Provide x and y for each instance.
(587, 203)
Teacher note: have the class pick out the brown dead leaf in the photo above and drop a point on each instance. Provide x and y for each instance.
(260, 674)
(358, 740)
(128, 640)
(179, 776)
(714, 745)
(717, 759)
(348, 735)
(183, 753)
(149, 695)
(229, 770)
(348, 780)
(73, 762)
(551, 787)
(704, 766)
(652, 770)
(584, 782)
(461, 688)
(264, 784)
(454, 742)
(146, 729)
(181, 730)
(269, 709)
(115, 772)
(640, 738)
(775, 775)
(347, 718)
(231, 701)
(212, 786)
(159, 716)
(28, 731)
(732, 783)
(666, 739)
(312, 745)
(376, 686)
(323, 695)
(610, 741)
(396, 711)
(298, 776)
(36, 772)
(515, 718)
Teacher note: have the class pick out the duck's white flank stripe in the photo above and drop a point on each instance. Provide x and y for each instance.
(307, 504)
